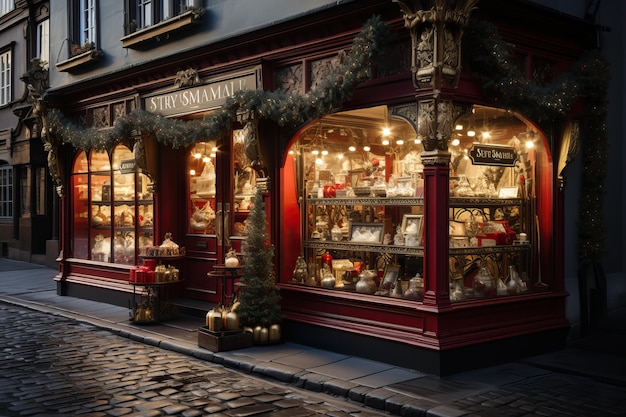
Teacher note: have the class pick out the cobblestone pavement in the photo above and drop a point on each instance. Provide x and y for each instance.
(55, 366)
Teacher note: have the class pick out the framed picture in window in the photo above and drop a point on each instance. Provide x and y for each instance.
(367, 232)
(390, 276)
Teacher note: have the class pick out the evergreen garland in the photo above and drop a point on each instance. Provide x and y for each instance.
(259, 298)
(495, 65)
(287, 110)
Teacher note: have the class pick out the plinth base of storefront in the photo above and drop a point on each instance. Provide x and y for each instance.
(433, 362)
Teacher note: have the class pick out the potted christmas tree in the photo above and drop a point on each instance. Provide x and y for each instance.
(259, 300)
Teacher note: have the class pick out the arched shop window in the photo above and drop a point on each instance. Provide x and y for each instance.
(355, 182)
(112, 208)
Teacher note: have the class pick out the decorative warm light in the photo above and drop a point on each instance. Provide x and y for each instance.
(471, 133)
(399, 142)
(315, 152)
(417, 141)
(340, 156)
(291, 152)
(214, 149)
(324, 152)
(530, 144)
(212, 155)
(197, 155)
(192, 172)
(206, 159)
(385, 142)
(386, 131)
(486, 135)
(366, 148)
(458, 127)
(319, 161)
(455, 142)
(352, 148)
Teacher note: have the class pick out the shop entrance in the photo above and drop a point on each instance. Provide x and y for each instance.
(221, 185)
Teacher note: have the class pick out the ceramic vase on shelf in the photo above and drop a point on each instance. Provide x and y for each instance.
(366, 283)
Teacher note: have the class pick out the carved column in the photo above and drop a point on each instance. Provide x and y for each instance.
(436, 28)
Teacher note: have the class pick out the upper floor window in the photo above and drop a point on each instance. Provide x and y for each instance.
(43, 42)
(145, 13)
(84, 26)
(6, 191)
(5, 78)
(6, 6)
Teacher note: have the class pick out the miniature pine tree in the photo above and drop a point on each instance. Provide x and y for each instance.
(259, 299)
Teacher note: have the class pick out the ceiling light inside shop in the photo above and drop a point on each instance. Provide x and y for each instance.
(319, 161)
(458, 127)
(385, 142)
(197, 155)
(352, 148)
(455, 142)
(206, 159)
(386, 131)
(366, 148)
(324, 152)
(417, 141)
(192, 172)
(400, 142)
(485, 135)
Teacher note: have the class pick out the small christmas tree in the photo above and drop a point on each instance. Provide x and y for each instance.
(259, 299)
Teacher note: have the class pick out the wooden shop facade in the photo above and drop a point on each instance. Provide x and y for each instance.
(419, 224)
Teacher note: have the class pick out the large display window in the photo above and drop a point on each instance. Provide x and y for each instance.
(113, 208)
(359, 189)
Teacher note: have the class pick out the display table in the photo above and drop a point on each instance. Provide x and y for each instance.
(150, 302)
(227, 276)
(219, 341)
(152, 292)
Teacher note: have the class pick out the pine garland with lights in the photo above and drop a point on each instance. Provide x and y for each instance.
(494, 64)
(259, 299)
(288, 110)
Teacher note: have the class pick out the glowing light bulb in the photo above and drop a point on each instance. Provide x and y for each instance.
(385, 142)
(324, 152)
(197, 155)
(192, 172)
(366, 148)
(315, 152)
(455, 142)
(399, 142)
(530, 144)
(386, 131)
(471, 133)
(352, 148)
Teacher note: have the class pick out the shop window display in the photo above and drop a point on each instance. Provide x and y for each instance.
(360, 176)
(202, 188)
(113, 207)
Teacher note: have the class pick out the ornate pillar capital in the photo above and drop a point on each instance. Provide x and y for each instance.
(436, 28)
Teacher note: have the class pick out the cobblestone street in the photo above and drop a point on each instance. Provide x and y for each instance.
(52, 365)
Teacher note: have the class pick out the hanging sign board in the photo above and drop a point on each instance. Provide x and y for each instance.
(493, 155)
(128, 166)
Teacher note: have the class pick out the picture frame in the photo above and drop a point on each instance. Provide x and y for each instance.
(390, 276)
(411, 222)
(508, 192)
(367, 233)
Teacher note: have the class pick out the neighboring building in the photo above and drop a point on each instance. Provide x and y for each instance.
(27, 199)
(135, 179)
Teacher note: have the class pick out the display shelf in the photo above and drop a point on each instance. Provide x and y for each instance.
(364, 247)
(367, 201)
(150, 302)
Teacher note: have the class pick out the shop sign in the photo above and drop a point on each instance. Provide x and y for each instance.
(127, 167)
(493, 155)
(199, 98)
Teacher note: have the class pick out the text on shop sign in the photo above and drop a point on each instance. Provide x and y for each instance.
(204, 97)
(493, 155)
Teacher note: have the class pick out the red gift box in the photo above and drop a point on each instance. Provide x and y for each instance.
(499, 231)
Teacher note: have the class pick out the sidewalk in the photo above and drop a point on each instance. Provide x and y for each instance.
(377, 385)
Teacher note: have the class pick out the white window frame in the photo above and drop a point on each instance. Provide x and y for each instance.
(5, 78)
(43, 42)
(6, 6)
(6, 192)
(151, 12)
(87, 22)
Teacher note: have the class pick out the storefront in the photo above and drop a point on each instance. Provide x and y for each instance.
(414, 224)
